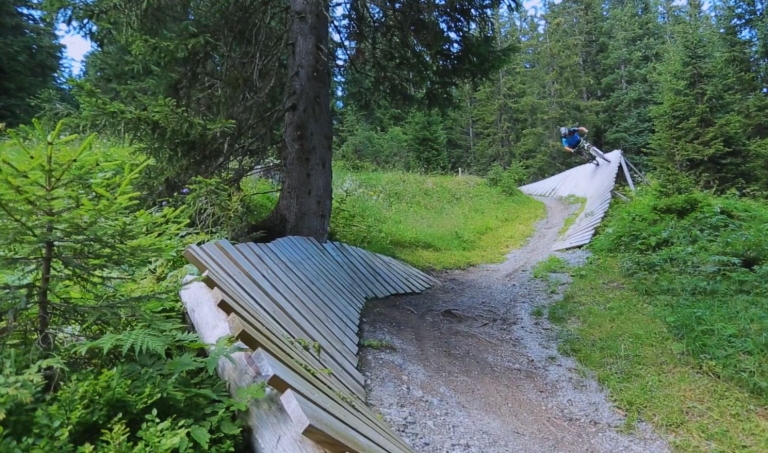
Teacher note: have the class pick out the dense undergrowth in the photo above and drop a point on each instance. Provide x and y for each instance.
(94, 356)
(672, 314)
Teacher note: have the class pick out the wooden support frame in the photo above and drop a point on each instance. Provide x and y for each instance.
(274, 294)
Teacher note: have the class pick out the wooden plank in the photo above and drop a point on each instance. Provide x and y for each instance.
(269, 422)
(329, 432)
(286, 373)
(304, 314)
(344, 312)
(408, 279)
(342, 299)
(307, 251)
(344, 371)
(287, 285)
(627, 175)
(384, 270)
(250, 328)
(360, 259)
(361, 280)
(235, 284)
(357, 417)
(414, 277)
(371, 280)
(326, 260)
(411, 279)
(305, 284)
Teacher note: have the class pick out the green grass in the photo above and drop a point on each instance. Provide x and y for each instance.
(570, 199)
(552, 265)
(376, 344)
(432, 222)
(617, 332)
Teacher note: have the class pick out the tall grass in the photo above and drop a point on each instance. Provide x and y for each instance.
(437, 222)
(673, 317)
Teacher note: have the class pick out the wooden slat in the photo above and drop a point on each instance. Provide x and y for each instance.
(300, 270)
(380, 289)
(297, 288)
(286, 284)
(409, 279)
(305, 284)
(235, 284)
(360, 423)
(341, 298)
(304, 314)
(420, 278)
(373, 276)
(383, 270)
(306, 250)
(287, 373)
(326, 260)
(356, 274)
(594, 183)
(379, 276)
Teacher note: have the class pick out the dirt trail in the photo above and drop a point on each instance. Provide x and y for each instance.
(475, 371)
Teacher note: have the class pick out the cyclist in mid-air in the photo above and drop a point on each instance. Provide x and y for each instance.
(572, 137)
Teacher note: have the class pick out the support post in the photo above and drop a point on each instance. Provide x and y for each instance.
(626, 172)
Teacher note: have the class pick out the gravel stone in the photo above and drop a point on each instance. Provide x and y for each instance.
(473, 371)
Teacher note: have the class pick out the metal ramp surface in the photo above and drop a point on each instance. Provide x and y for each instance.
(588, 181)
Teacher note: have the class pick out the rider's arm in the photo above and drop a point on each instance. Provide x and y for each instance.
(565, 145)
(583, 130)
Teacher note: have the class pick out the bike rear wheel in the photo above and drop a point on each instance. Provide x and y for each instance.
(597, 153)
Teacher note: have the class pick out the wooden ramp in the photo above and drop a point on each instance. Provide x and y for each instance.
(594, 183)
(297, 303)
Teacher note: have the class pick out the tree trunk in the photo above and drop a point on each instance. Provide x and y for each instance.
(304, 206)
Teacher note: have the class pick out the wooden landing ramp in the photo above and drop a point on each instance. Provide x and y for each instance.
(297, 303)
(594, 183)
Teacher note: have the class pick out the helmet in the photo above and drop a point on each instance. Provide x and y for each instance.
(563, 131)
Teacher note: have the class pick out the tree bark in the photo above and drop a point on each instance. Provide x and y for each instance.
(304, 206)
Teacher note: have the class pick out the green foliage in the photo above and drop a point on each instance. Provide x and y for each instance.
(220, 210)
(376, 344)
(702, 262)
(70, 215)
(419, 145)
(618, 332)
(143, 389)
(91, 359)
(552, 265)
(435, 222)
(30, 54)
(181, 81)
(507, 180)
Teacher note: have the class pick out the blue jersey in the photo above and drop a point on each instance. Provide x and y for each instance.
(572, 140)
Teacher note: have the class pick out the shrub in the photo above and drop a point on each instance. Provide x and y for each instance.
(703, 260)
(91, 359)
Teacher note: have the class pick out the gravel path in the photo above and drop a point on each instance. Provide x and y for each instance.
(474, 371)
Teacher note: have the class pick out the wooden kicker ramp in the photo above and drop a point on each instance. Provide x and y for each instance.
(296, 303)
(588, 181)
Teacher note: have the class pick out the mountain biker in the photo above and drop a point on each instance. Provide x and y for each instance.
(571, 137)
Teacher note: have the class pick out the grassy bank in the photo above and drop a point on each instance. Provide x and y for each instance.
(672, 316)
(436, 222)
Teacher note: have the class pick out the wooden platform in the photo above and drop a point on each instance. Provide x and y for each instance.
(594, 183)
(296, 303)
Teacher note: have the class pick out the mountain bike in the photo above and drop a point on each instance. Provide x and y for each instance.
(590, 152)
